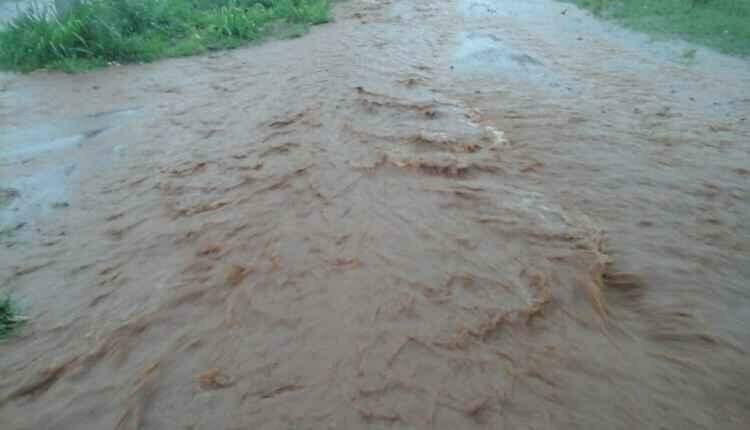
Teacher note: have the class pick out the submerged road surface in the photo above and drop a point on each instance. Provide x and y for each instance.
(426, 215)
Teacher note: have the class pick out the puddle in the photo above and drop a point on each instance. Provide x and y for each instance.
(24, 142)
(481, 9)
(23, 147)
(491, 55)
(38, 194)
(54, 149)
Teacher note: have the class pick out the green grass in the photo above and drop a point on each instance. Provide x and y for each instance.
(10, 318)
(101, 32)
(720, 24)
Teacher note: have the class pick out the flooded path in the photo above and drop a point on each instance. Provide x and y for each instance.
(451, 215)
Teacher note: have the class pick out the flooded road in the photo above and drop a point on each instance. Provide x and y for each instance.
(452, 215)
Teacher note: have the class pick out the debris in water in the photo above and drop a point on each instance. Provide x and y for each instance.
(236, 274)
(214, 379)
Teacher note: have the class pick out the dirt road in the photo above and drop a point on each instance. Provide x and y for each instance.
(451, 215)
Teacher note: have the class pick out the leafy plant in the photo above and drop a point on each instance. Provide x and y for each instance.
(721, 24)
(98, 32)
(10, 318)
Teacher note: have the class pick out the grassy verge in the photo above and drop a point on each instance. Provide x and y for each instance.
(10, 319)
(101, 32)
(720, 24)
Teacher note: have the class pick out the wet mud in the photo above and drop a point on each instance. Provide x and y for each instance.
(448, 215)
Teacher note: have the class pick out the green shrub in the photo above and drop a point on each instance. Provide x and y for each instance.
(97, 32)
(10, 318)
(721, 24)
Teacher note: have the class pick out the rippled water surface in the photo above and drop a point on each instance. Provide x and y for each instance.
(427, 214)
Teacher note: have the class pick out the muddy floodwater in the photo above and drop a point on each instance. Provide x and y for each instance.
(449, 214)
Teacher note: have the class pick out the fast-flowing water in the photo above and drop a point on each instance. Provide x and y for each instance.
(427, 214)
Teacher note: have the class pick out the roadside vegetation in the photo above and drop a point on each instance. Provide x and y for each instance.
(99, 32)
(720, 24)
(10, 318)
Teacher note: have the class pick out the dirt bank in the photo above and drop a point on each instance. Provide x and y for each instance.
(402, 220)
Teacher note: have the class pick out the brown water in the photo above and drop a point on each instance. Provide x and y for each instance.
(450, 215)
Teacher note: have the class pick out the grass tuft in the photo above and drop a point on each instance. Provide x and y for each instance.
(720, 24)
(100, 32)
(688, 56)
(10, 318)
